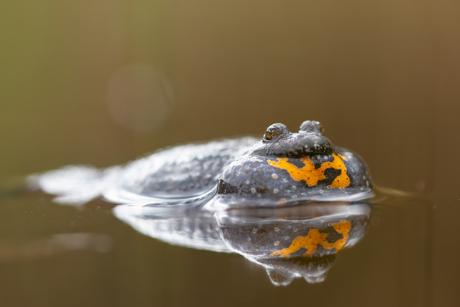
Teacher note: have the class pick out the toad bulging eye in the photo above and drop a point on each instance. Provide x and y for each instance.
(311, 126)
(273, 131)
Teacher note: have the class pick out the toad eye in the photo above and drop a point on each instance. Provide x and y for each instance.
(274, 130)
(311, 126)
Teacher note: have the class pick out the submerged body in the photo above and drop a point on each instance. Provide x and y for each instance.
(280, 169)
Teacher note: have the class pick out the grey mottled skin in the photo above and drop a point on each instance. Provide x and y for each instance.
(183, 170)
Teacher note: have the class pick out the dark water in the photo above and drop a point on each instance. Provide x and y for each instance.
(104, 82)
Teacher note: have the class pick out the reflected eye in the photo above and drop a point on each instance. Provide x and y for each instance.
(273, 131)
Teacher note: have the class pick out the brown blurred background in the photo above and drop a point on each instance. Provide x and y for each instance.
(102, 82)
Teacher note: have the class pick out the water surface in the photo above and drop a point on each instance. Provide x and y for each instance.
(102, 83)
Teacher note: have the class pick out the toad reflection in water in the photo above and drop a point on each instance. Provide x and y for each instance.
(300, 241)
(208, 184)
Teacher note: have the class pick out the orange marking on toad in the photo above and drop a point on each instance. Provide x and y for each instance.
(315, 238)
(312, 175)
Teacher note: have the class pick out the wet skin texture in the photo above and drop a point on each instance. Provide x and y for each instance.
(287, 166)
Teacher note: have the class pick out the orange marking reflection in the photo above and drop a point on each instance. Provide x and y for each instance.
(315, 238)
(312, 175)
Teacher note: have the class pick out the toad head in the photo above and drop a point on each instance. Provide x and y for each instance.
(288, 166)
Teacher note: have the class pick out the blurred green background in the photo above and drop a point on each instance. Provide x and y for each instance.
(103, 82)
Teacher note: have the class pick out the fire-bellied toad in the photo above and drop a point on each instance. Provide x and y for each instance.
(282, 168)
